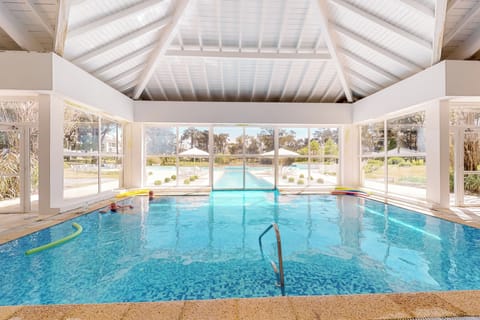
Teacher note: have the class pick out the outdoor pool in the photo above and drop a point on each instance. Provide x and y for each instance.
(206, 247)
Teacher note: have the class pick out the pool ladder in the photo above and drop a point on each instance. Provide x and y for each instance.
(279, 270)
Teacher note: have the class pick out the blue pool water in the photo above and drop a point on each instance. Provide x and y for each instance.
(232, 178)
(203, 247)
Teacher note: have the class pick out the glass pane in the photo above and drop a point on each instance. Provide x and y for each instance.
(323, 171)
(471, 166)
(161, 171)
(407, 176)
(465, 116)
(110, 173)
(373, 171)
(9, 170)
(373, 139)
(160, 141)
(294, 140)
(193, 137)
(259, 140)
(228, 140)
(472, 189)
(292, 173)
(109, 137)
(80, 131)
(193, 171)
(324, 142)
(18, 111)
(80, 176)
(228, 173)
(259, 173)
(406, 135)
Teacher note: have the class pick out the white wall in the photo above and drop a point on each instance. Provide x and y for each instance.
(463, 78)
(243, 112)
(25, 71)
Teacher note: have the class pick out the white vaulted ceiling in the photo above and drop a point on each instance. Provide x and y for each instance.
(246, 50)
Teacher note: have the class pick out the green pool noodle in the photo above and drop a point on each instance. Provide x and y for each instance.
(57, 242)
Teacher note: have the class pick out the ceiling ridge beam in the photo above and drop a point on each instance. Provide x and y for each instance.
(40, 18)
(247, 55)
(166, 38)
(233, 49)
(17, 31)
(438, 32)
(121, 40)
(118, 62)
(387, 75)
(141, 6)
(384, 24)
(420, 7)
(332, 47)
(464, 21)
(61, 27)
(387, 53)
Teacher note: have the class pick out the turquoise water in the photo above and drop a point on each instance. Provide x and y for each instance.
(204, 247)
(232, 178)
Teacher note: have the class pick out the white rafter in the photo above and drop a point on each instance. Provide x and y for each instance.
(302, 30)
(420, 7)
(360, 91)
(110, 18)
(114, 64)
(303, 77)
(463, 22)
(329, 88)
(248, 55)
(205, 77)
(332, 47)
(392, 56)
(240, 31)
(452, 4)
(122, 40)
(364, 79)
(45, 24)
(190, 81)
(384, 24)
(17, 31)
(166, 38)
(285, 85)
(149, 95)
(238, 81)
(125, 74)
(282, 26)
(222, 80)
(468, 47)
(254, 84)
(338, 96)
(159, 85)
(61, 27)
(317, 81)
(262, 22)
(218, 7)
(270, 81)
(440, 17)
(387, 75)
(174, 81)
(127, 86)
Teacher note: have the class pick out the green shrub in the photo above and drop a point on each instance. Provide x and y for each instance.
(174, 177)
(195, 177)
(167, 180)
(320, 180)
(395, 160)
(451, 181)
(311, 178)
(186, 181)
(291, 179)
(284, 177)
(157, 182)
(405, 164)
(301, 176)
(192, 178)
(150, 173)
(472, 183)
(300, 181)
(372, 165)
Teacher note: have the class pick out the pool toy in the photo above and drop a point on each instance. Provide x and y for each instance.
(57, 242)
(132, 193)
(349, 192)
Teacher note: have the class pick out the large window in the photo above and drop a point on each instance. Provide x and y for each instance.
(93, 153)
(393, 155)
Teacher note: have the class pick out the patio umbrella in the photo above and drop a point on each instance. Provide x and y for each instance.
(194, 152)
(281, 152)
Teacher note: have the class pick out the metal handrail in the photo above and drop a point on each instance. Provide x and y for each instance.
(279, 271)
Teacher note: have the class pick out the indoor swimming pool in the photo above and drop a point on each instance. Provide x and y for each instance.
(206, 247)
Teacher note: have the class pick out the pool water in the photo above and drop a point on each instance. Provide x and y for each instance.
(204, 247)
(232, 178)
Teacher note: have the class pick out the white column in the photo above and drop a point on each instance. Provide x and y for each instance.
(134, 160)
(349, 165)
(50, 153)
(437, 154)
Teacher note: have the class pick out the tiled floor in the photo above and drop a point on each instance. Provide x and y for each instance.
(437, 305)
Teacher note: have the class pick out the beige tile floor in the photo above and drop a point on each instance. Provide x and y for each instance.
(431, 305)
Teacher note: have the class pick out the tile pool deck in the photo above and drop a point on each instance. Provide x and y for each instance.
(431, 305)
